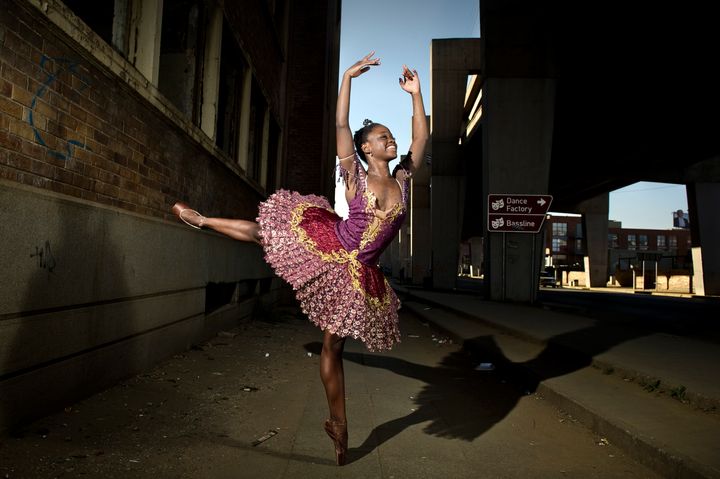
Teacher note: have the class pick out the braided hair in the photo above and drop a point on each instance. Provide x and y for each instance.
(361, 137)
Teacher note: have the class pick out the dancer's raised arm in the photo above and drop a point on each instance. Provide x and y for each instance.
(410, 82)
(343, 134)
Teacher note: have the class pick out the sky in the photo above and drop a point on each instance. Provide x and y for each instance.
(400, 32)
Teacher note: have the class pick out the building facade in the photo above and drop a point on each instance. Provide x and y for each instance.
(629, 250)
(109, 113)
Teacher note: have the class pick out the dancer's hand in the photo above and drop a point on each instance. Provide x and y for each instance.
(410, 82)
(362, 65)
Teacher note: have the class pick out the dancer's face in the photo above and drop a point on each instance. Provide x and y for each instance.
(381, 144)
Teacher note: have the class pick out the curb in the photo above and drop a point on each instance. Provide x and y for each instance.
(654, 456)
(690, 398)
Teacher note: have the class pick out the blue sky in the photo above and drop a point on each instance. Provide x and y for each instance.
(400, 32)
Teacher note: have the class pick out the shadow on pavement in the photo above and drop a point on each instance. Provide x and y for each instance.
(461, 402)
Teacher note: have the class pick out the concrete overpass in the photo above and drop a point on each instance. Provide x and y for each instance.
(573, 102)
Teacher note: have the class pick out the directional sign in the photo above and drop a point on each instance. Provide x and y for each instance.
(519, 204)
(513, 213)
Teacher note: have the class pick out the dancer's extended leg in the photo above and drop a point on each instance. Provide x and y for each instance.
(241, 230)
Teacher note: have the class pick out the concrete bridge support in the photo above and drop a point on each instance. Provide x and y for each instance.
(451, 62)
(703, 200)
(595, 228)
(517, 129)
(420, 225)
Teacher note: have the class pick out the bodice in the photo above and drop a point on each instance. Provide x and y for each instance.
(362, 230)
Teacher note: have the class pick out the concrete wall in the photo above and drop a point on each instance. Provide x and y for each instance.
(94, 294)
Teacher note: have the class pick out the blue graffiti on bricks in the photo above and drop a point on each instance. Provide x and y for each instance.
(44, 257)
(54, 67)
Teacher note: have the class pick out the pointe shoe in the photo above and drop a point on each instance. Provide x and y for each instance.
(188, 215)
(338, 433)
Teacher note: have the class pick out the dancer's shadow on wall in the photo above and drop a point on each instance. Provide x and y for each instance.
(460, 402)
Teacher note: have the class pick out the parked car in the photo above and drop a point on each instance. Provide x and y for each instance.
(547, 280)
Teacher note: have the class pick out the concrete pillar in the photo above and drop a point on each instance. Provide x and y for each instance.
(595, 230)
(517, 128)
(703, 199)
(451, 61)
(447, 199)
(420, 237)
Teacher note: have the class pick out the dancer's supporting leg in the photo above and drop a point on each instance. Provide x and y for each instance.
(333, 378)
(333, 375)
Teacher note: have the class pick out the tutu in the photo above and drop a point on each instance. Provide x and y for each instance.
(337, 288)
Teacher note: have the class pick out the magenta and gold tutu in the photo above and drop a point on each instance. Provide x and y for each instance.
(331, 263)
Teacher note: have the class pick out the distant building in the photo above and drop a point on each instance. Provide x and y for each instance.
(565, 246)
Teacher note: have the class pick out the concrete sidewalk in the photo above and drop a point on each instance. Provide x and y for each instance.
(249, 404)
(655, 395)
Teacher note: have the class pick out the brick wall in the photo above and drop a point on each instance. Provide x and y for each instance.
(70, 126)
(256, 33)
(312, 90)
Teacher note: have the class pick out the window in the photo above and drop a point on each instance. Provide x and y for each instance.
(273, 156)
(256, 143)
(559, 245)
(182, 48)
(108, 19)
(232, 72)
(631, 242)
(643, 242)
(578, 230)
(661, 242)
(559, 229)
(613, 240)
(578, 246)
(279, 12)
(673, 242)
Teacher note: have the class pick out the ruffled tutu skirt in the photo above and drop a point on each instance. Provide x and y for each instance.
(336, 291)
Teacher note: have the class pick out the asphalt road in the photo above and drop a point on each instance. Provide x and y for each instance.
(695, 317)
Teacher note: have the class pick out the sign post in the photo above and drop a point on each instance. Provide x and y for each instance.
(517, 213)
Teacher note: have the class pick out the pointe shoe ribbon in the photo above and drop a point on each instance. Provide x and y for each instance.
(181, 210)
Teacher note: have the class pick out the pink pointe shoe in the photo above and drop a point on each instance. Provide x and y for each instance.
(338, 433)
(188, 215)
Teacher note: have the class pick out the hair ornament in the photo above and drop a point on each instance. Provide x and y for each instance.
(367, 122)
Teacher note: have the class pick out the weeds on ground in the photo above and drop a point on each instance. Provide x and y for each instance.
(678, 393)
(652, 386)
